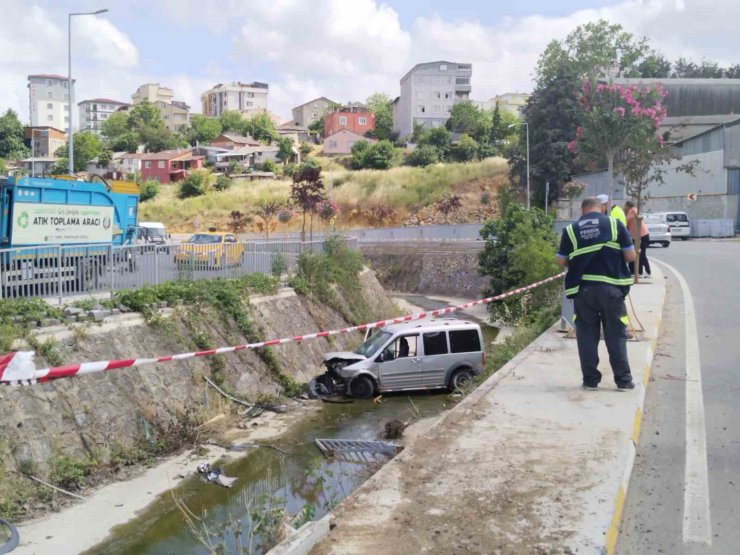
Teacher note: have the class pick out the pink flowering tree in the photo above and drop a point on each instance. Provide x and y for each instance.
(616, 120)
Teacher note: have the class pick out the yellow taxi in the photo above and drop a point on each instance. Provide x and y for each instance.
(210, 250)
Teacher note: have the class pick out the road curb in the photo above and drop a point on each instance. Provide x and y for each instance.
(612, 533)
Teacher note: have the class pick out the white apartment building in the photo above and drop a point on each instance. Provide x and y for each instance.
(428, 92)
(48, 97)
(174, 113)
(94, 112)
(246, 98)
(152, 92)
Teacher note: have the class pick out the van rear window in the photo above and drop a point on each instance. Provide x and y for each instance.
(677, 218)
(464, 341)
(435, 343)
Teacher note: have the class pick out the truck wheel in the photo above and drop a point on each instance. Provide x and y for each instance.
(361, 387)
(461, 379)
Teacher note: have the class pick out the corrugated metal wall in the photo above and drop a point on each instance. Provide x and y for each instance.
(702, 100)
(733, 181)
(714, 140)
(732, 146)
(597, 183)
(709, 177)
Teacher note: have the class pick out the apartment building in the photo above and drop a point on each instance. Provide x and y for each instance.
(94, 112)
(174, 113)
(44, 140)
(428, 92)
(153, 92)
(48, 98)
(311, 111)
(246, 98)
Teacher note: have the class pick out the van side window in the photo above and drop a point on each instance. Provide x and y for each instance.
(464, 341)
(435, 343)
(405, 346)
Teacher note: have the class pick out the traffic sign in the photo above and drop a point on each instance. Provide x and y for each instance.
(691, 196)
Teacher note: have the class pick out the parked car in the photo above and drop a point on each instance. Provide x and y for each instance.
(660, 233)
(209, 250)
(678, 222)
(415, 355)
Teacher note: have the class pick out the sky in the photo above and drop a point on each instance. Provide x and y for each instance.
(342, 49)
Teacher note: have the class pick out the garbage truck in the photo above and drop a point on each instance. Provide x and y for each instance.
(58, 234)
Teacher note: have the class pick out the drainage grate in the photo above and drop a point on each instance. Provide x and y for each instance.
(356, 450)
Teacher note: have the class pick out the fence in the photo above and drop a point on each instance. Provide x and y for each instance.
(65, 271)
(713, 228)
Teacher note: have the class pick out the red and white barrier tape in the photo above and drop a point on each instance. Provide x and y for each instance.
(25, 374)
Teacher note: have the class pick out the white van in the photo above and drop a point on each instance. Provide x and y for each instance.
(151, 233)
(678, 223)
(427, 354)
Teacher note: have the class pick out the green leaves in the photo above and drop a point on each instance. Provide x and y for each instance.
(12, 145)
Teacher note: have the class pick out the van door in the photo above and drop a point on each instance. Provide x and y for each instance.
(436, 358)
(399, 365)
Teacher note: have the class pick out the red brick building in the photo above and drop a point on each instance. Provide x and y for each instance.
(170, 165)
(356, 119)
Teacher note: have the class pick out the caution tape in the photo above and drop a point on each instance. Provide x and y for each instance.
(26, 374)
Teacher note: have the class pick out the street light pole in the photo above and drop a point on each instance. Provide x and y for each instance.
(70, 93)
(526, 125)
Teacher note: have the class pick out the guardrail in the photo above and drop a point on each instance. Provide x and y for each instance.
(66, 271)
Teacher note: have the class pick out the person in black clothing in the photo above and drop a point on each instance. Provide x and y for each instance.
(596, 249)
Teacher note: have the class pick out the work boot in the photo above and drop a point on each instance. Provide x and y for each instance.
(625, 386)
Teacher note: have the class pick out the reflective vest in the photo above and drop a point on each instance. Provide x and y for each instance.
(618, 213)
(596, 254)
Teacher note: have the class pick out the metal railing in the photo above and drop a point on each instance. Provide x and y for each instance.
(67, 271)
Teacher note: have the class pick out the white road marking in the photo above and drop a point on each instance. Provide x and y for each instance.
(697, 525)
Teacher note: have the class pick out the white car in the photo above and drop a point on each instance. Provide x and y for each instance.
(659, 231)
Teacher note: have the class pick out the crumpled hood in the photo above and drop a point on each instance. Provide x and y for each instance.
(344, 355)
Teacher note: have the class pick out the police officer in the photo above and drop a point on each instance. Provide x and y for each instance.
(596, 250)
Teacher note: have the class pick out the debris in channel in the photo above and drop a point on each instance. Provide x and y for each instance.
(395, 428)
(215, 475)
(356, 450)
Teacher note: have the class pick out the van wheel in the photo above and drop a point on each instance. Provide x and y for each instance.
(666, 244)
(684, 238)
(361, 387)
(461, 380)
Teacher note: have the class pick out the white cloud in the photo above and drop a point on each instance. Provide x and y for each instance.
(335, 48)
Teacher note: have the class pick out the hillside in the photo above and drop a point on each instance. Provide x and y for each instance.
(402, 195)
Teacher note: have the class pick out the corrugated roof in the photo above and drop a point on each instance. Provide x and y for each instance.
(238, 138)
(105, 101)
(682, 128)
(168, 154)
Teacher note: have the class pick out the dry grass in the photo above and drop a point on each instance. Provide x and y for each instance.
(404, 189)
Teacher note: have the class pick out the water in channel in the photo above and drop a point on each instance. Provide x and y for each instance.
(271, 483)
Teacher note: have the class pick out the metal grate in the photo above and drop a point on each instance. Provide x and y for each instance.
(356, 450)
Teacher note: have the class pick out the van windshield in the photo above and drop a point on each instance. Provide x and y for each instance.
(154, 231)
(373, 343)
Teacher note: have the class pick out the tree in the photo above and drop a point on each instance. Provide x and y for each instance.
(684, 69)
(157, 139)
(379, 156)
(307, 191)
(440, 139)
(381, 105)
(231, 121)
(144, 116)
(733, 72)
(204, 129)
(305, 149)
(223, 183)
(465, 150)
(267, 210)
(12, 144)
(418, 133)
(615, 119)
(105, 158)
(424, 155)
(468, 119)
(317, 126)
(449, 204)
(654, 65)
(285, 150)
(197, 183)
(86, 146)
(115, 126)
(518, 249)
(359, 152)
(148, 190)
(261, 127)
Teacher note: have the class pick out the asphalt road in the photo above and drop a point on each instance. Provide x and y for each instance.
(657, 504)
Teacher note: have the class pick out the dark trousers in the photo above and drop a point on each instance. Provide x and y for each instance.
(644, 264)
(597, 305)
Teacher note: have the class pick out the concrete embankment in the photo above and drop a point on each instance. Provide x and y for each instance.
(527, 463)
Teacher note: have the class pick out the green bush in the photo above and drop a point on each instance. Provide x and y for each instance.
(424, 156)
(520, 249)
(197, 183)
(278, 266)
(148, 190)
(70, 473)
(269, 166)
(465, 150)
(223, 182)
